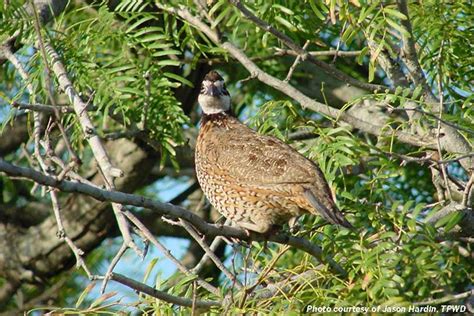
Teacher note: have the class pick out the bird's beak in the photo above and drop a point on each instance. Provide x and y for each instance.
(213, 90)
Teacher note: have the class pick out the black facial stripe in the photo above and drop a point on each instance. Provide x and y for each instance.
(224, 89)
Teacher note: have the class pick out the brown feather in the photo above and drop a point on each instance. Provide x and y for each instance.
(258, 181)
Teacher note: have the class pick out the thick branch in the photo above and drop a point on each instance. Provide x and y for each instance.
(80, 108)
(166, 209)
(87, 220)
(410, 56)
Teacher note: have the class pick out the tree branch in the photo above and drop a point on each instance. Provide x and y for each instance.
(176, 300)
(305, 55)
(331, 52)
(80, 108)
(306, 102)
(169, 210)
(410, 56)
(447, 298)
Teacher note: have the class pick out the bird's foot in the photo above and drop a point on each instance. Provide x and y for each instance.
(294, 225)
(295, 228)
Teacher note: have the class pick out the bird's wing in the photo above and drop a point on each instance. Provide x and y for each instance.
(248, 157)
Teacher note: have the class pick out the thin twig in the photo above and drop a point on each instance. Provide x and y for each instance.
(80, 108)
(202, 10)
(168, 254)
(427, 158)
(332, 52)
(100, 154)
(214, 245)
(466, 200)
(438, 118)
(264, 273)
(194, 300)
(295, 63)
(447, 298)
(438, 130)
(210, 253)
(78, 253)
(49, 86)
(146, 104)
(177, 300)
(46, 108)
(71, 174)
(410, 56)
(113, 263)
(279, 52)
(122, 134)
(453, 140)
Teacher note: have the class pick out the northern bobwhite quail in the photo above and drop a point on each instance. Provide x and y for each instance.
(257, 181)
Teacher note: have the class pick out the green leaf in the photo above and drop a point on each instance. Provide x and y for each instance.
(149, 268)
(152, 38)
(283, 9)
(285, 23)
(394, 13)
(348, 33)
(450, 221)
(139, 22)
(371, 71)
(417, 92)
(123, 78)
(159, 45)
(398, 27)
(102, 298)
(221, 16)
(169, 62)
(179, 78)
(84, 293)
(216, 7)
(363, 53)
(316, 10)
(148, 29)
(119, 68)
(131, 90)
(167, 52)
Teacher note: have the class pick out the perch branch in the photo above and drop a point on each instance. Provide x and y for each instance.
(169, 210)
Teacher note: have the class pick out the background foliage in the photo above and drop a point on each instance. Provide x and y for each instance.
(135, 60)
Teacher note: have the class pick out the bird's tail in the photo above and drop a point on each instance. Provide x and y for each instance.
(330, 213)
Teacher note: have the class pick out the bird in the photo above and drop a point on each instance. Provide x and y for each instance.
(257, 181)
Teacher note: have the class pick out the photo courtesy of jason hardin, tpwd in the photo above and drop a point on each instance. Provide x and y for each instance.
(313, 309)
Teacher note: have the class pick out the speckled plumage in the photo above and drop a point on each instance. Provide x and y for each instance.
(258, 181)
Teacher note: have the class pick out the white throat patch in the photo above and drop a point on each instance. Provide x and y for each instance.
(214, 104)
